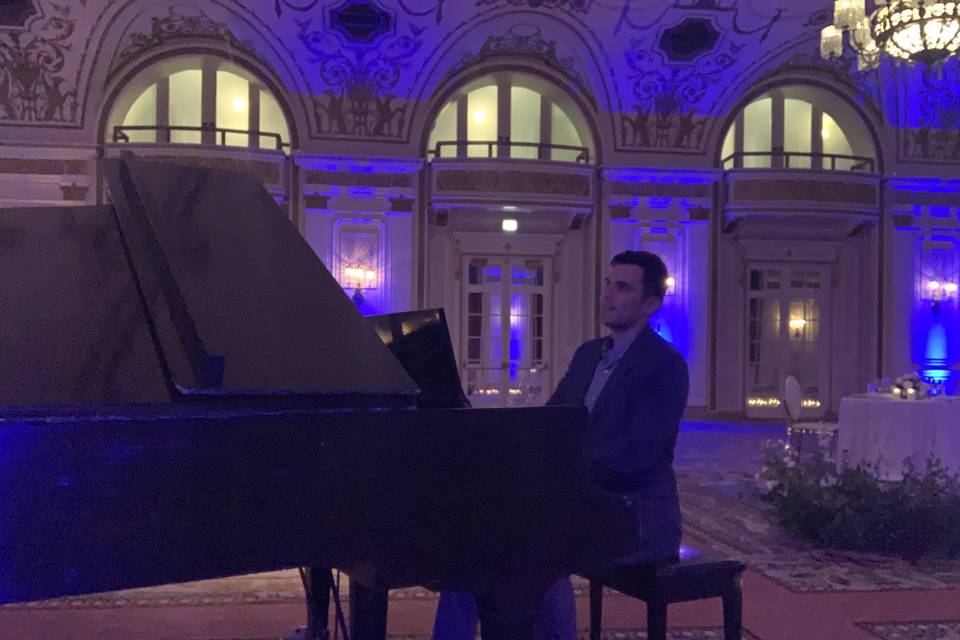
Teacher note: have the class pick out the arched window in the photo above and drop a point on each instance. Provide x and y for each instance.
(798, 127)
(511, 115)
(198, 100)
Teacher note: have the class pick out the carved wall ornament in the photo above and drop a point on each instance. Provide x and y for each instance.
(32, 85)
(294, 5)
(689, 39)
(665, 114)
(354, 179)
(523, 40)
(492, 181)
(434, 7)
(932, 131)
(181, 21)
(678, 63)
(804, 191)
(729, 8)
(361, 21)
(660, 189)
(358, 100)
(569, 6)
(843, 69)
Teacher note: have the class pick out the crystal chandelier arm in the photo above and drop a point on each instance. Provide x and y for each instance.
(861, 36)
(831, 42)
(848, 13)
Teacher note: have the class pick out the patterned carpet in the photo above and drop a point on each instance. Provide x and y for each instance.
(946, 630)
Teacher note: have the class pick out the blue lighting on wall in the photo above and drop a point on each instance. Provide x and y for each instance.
(362, 192)
(350, 165)
(935, 343)
(660, 176)
(935, 359)
(925, 185)
(663, 329)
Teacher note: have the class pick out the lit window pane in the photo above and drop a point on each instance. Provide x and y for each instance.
(233, 107)
(185, 105)
(563, 132)
(524, 121)
(482, 120)
(143, 112)
(797, 131)
(835, 142)
(272, 120)
(757, 132)
(728, 149)
(445, 130)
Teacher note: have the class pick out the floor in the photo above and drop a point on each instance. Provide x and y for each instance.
(791, 591)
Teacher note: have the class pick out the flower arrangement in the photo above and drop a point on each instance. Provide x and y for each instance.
(853, 509)
(909, 386)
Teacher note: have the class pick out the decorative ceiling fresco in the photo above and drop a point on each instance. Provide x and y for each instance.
(658, 76)
(14, 13)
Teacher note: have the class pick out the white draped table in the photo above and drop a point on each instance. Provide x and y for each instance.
(884, 430)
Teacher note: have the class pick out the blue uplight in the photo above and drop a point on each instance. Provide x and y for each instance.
(936, 357)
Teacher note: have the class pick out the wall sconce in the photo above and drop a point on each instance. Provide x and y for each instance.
(359, 278)
(796, 326)
(936, 291)
(671, 285)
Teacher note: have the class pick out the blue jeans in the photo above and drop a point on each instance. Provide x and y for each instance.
(457, 615)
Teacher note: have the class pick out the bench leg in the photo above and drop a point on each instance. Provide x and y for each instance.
(596, 609)
(733, 611)
(656, 619)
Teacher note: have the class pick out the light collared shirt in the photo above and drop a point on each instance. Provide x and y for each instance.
(609, 359)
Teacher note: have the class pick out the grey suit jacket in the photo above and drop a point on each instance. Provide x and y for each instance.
(632, 430)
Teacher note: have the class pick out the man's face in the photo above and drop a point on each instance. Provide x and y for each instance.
(622, 303)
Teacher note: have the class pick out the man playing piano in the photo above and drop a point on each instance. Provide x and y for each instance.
(634, 385)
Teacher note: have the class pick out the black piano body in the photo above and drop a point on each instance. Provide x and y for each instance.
(187, 394)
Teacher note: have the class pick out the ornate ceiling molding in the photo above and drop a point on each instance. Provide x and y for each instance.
(360, 81)
(524, 41)
(181, 22)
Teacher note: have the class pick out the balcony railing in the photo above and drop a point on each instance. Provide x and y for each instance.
(798, 160)
(503, 149)
(163, 131)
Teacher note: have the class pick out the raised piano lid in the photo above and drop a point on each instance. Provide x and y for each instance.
(72, 330)
(193, 284)
(420, 340)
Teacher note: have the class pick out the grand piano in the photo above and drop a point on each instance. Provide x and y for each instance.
(187, 394)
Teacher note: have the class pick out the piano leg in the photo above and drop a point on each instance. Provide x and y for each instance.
(368, 613)
(317, 584)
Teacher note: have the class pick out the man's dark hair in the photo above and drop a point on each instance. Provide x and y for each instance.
(654, 271)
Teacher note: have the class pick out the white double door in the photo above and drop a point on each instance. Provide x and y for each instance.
(788, 328)
(505, 330)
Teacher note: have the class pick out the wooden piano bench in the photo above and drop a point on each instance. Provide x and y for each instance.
(661, 584)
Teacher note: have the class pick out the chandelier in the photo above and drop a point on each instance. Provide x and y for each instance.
(911, 30)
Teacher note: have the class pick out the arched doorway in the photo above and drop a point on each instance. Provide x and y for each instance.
(796, 257)
(508, 239)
